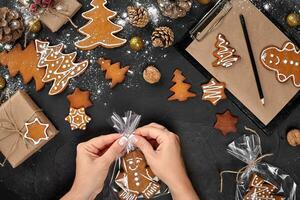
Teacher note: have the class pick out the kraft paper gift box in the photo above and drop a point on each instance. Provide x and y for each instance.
(55, 18)
(14, 113)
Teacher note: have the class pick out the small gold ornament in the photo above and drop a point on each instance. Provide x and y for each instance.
(2, 83)
(204, 2)
(151, 74)
(35, 26)
(136, 43)
(293, 19)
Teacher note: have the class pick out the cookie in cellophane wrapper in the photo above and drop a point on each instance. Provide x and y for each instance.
(259, 180)
(131, 177)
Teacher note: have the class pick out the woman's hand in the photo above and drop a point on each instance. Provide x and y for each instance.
(166, 161)
(93, 161)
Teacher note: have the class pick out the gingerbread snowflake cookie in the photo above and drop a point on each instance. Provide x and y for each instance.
(36, 131)
(284, 61)
(78, 119)
(136, 178)
(224, 54)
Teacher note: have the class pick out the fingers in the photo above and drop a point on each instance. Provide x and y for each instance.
(114, 151)
(151, 132)
(155, 125)
(102, 141)
(144, 146)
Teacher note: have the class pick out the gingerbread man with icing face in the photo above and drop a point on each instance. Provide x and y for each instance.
(136, 177)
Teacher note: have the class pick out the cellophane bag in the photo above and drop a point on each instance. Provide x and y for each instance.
(259, 180)
(132, 178)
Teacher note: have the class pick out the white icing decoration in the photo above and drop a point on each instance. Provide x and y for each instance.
(36, 120)
(225, 53)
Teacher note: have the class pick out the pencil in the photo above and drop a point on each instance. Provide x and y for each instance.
(254, 67)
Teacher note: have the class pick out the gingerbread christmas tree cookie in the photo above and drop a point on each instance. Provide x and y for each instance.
(79, 99)
(224, 54)
(284, 61)
(24, 62)
(36, 131)
(100, 30)
(213, 91)
(113, 72)
(60, 68)
(78, 119)
(180, 88)
(226, 123)
(136, 178)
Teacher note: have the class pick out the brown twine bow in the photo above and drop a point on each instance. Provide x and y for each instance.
(14, 129)
(247, 167)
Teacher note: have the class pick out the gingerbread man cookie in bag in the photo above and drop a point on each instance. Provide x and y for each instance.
(137, 177)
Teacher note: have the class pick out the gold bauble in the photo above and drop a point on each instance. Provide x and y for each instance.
(293, 19)
(136, 43)
(35, 26)
(2, 83)
(204, 2)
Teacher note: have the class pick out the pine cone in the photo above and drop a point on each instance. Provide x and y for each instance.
(174, 8)
(11, 25)
(138, 16)
(162, 37)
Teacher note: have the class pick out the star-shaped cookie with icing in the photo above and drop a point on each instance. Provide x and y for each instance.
(78, 119)
(36, 131)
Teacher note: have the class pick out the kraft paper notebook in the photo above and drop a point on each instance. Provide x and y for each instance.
(239, 78)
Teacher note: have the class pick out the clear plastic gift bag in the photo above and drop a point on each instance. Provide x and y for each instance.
(258, 180)
(131, 177)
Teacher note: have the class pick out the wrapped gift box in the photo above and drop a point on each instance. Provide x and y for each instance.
(14, 113)
(55, 18)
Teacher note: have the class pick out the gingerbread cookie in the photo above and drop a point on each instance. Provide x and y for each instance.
(136, 178)
(100, 30)
(36, 131)
(224, 53)
(226, 123)
(24, 62)
(180, 88)
(78, 119)
(293, 137)
(213, 91)
(113, 72)
(259, 188)
(79, 99)
(285, 62)
(60, 68)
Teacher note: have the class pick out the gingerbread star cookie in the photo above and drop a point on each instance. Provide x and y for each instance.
(78, 119)
(226, 123)
(79, 99)
(36, 131)
(213, 91)
(224, 53)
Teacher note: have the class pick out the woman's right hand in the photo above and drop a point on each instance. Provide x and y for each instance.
(165, 161)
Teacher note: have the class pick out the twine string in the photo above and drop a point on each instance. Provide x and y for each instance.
(247, 167)
(14, 129)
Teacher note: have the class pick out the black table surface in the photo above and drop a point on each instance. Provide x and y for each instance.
(49, 173)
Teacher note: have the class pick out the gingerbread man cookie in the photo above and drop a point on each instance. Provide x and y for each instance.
(285, 62)
(137, 176)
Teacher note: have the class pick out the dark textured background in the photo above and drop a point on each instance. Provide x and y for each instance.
(49, 173)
